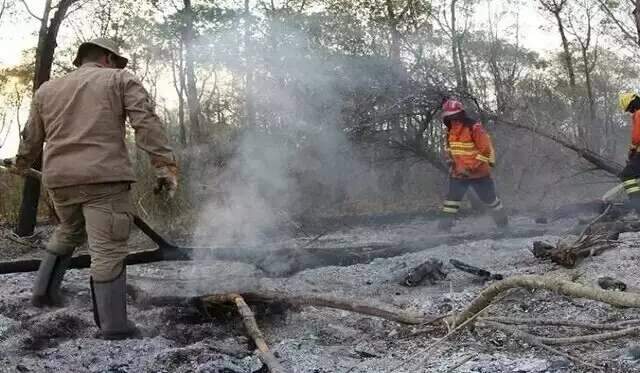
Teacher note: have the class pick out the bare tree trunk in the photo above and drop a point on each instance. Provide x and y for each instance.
(44, 61)
(192, 90)
(463, 65)
(555, 7)
(636, 17)
(177, 71)
(593, 137)
(250, 115)
(454, 46)
(568, 60)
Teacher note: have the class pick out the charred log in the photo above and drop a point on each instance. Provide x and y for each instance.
(430, 271)
(542, 250)
(210, 304)
(278, 262)
(610, 283)
(598, 236)
(482, 273)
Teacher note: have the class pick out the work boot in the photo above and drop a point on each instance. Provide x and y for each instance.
(46, 288)
(110, 309)
(446, 224)
(634, 203)
(501, 219)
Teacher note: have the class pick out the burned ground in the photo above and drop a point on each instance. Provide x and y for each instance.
(314, 339)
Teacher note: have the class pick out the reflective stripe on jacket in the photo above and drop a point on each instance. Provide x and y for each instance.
(470, 149)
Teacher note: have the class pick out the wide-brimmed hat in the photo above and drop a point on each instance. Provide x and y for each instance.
(107, 44)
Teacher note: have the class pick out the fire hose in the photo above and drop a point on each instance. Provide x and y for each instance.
(166, 250)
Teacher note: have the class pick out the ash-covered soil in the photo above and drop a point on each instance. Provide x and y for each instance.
(314, 339)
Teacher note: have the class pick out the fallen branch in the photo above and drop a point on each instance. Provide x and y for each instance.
(534, 341)
(387, 312)
(587, 229)
(461, 363)
(254, 331)
(594, 239)
(610, 283)
(278, 262)
(547, 283)
(590, 338)
(550, 322)
(431, 271)
(451, 332)
(597, 160)
(482, 273)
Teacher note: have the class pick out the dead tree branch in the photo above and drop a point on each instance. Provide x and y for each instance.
(597, 160)
(550, 322)
(590, 338)
(596, 238)
(250, 323)
(26, 7)
(542, 282)
(365, 307)
(534, 341)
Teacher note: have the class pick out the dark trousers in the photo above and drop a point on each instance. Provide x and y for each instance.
(484, 187)
(629, 176)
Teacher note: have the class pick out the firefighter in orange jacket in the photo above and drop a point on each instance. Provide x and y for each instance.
(471, 157)
(630, 102)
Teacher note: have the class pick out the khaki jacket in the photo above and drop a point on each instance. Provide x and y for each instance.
(80, 119)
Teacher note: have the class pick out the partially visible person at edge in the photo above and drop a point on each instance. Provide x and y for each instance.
(630, 102)
(88, 175)
(470, 157)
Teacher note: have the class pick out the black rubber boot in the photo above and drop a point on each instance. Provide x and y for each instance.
(634, 202)
(446, 224)
(501, 218)
(110, 309)
(46, 288)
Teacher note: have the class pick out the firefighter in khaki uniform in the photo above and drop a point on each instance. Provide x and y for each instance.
(630, 102)
(471, 157)
(87, 172)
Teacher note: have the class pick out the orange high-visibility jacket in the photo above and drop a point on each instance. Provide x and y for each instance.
(470, 149)
(635, 131)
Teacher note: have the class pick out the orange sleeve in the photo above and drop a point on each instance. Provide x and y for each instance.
(635, 130)
(483, 141)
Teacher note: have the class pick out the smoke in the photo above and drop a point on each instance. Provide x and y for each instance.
(293, 161)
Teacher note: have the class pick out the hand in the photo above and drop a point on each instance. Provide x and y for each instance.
(632, 153)
(11, 165)
(166, 180)
(9, 162)
(465, 173)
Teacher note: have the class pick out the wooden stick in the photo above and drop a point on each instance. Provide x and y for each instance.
(249, 320)
(461, 363)
(586, 230)
(547, 322)
(590, 338)
(434, 344)
(547, 283)
(535, 341)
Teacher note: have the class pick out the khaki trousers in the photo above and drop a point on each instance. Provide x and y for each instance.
(99, 213)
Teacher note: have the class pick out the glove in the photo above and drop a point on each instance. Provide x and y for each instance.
(465, 173)
(11, 164)
(166, 180)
